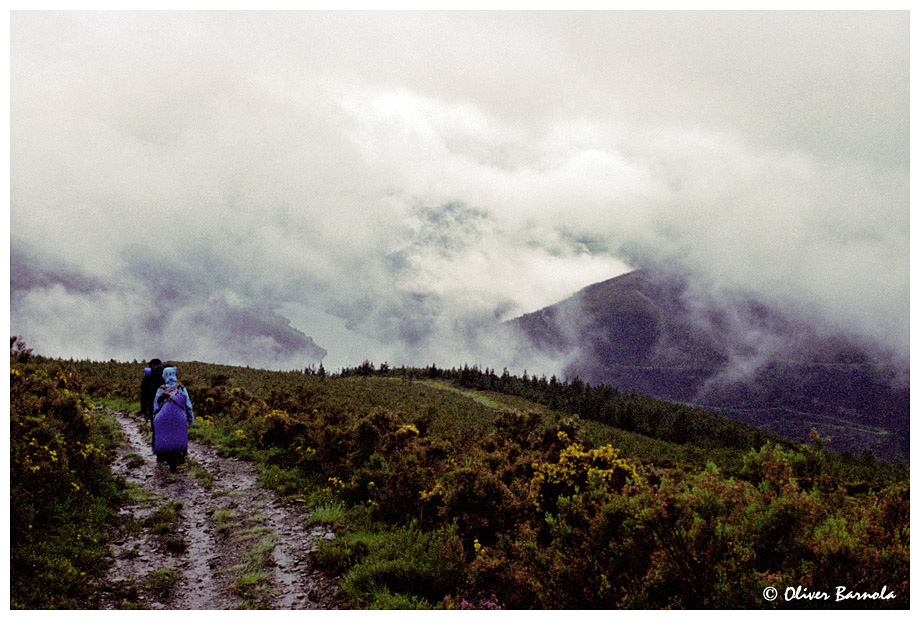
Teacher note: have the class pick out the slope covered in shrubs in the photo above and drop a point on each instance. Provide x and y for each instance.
(548, 494)
(62, 494)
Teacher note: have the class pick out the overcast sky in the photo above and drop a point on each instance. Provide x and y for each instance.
(388, 182)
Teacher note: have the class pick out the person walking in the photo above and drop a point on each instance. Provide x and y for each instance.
(153, 379)
(172, 417)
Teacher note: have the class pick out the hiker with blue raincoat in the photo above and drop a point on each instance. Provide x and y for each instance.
(172, 416)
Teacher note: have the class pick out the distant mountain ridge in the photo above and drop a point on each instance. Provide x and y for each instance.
(652, 333)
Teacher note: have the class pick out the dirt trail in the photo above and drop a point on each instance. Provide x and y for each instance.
(230, 545)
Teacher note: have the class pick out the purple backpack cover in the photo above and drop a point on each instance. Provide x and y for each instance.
(170, 427)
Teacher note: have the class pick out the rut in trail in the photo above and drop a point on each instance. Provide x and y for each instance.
(230, 545)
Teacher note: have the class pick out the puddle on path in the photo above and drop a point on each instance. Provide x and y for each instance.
(199, 572)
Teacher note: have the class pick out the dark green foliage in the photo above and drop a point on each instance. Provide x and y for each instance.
(548, 494)
(63, 496)
(422, 566)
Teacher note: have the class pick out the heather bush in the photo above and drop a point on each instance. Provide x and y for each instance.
(62, 493)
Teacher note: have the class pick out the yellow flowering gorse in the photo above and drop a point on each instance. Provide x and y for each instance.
(437, 490)
(408, 429)
(578, 468)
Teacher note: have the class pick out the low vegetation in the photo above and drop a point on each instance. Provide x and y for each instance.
(530, 494)
(161, 581)
(63, 497)
(163, 523)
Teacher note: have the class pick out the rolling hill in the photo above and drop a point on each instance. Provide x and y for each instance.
(650, 333)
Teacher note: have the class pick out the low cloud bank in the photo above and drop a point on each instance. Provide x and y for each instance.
(398, 183)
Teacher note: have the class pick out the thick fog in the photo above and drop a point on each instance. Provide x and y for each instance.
(277, 189)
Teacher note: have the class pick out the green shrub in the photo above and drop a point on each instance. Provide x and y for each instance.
(418, 565)
(63, 496)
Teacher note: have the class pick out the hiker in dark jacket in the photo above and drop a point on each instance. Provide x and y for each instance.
(153, 379)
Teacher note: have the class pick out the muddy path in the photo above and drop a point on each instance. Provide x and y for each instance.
(208, 537)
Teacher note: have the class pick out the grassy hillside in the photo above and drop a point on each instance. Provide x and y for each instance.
(544, 494)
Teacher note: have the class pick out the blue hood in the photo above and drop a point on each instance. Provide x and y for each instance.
(170, 375)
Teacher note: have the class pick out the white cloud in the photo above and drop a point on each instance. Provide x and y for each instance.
(291, 158)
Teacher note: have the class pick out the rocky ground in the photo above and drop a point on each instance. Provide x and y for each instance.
(208, 537)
